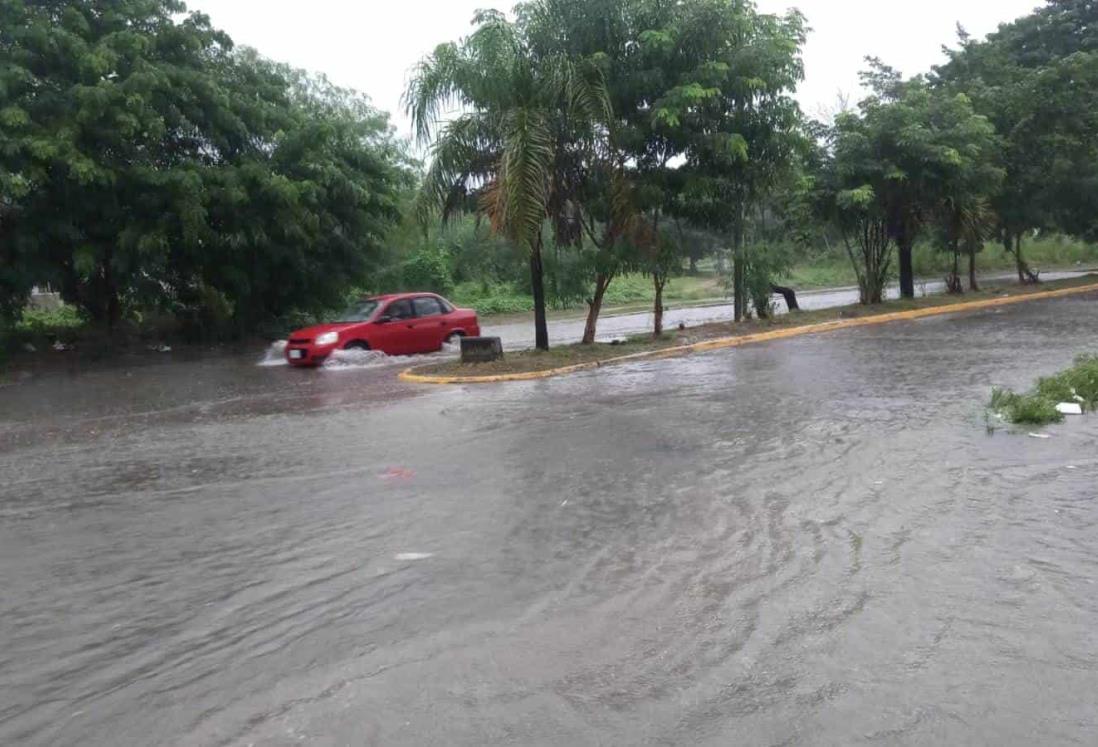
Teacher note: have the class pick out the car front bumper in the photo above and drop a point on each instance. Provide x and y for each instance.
(307, 356)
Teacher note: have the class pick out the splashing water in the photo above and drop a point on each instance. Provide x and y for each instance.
(343, 360)
(275, 354)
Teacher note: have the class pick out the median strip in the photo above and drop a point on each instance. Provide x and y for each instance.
(425, 375)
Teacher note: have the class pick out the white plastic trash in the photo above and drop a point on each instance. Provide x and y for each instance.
(1069, 408)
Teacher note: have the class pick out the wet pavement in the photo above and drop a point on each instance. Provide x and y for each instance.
(519, 334)
(811, 541)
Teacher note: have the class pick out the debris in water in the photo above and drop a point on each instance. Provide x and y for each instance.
(413, 555)
(1039, 435)
(1069, 408)
(161, 348)
(397, 473)
(61, 347)
(28, 348)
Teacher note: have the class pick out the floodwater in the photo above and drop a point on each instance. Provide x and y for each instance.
(519, 335)
(812, 541)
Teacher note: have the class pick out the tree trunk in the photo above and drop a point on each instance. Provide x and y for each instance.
(594, 307)
(739, 271)
(111, 311)
(693, 266)
(537, 283)
(657, 307)
(1025, 274)
(907, 268)
(953, 282)
(1018, 261)
(789, 295)
(972, 284)
(1012, 243)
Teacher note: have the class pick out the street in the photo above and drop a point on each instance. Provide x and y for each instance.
(817, 540)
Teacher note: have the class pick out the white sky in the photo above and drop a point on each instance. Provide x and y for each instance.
(371, 46)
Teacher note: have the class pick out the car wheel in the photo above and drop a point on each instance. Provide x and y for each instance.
(357, 345)
(453, 339)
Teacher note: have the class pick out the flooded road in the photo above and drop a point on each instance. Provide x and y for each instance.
(519, 334)
(812, 541)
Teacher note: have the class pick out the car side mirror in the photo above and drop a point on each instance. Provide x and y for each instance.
(384, 319)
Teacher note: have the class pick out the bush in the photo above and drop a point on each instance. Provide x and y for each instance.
(498, 298)
(1024, 409)
(1077, 384)
(38, 322)
(428, 269)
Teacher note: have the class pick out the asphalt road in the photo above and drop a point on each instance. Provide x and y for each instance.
(812, 541)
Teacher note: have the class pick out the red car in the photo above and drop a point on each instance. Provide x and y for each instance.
(398, 324)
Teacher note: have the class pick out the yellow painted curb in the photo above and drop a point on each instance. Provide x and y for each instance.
(719, 343)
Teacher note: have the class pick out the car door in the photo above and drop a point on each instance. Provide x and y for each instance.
(396, 336)
(430, 324)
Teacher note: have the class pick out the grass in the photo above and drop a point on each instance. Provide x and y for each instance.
(41, 327)
(1038, 407)
(568, 355)
(826, 270)
(633, 290)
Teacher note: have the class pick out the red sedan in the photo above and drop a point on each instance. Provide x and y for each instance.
(398, 324)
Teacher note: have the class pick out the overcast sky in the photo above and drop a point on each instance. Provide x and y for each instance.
(372, 45)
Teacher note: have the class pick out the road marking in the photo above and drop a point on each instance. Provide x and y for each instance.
(720, 343)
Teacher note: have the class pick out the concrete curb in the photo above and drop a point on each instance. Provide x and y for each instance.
(409, 375)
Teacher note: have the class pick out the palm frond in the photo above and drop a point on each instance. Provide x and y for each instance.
(464, 156)
(516, 200)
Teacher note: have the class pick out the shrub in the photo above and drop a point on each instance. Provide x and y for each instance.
(41, 321)
(428, 269)
(1077, 384)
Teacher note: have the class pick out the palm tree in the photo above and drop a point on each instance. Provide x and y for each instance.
(967, 222)
(520, 120)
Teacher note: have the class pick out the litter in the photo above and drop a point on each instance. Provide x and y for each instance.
(397, 473)
(1039, 435)
(1069, 408)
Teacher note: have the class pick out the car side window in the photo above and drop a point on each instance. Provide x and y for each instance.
(401, 309)
(427, 306)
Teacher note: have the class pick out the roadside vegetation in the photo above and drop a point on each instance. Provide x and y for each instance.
(608, 153)
(1078, 384)
(563, 356)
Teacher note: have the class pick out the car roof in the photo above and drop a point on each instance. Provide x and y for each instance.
(399, 296)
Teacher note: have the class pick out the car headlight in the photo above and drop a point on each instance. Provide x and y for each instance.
(328, 338)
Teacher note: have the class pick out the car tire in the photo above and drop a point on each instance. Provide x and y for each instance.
(357, 345)
(454, 338)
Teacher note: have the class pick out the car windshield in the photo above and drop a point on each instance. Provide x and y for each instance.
(360, 312)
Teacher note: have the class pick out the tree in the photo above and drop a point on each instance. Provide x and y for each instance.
(147, 165)
(734, 116)
(513, 146)
(912, 149)
(1036, 79)
(699, 87)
